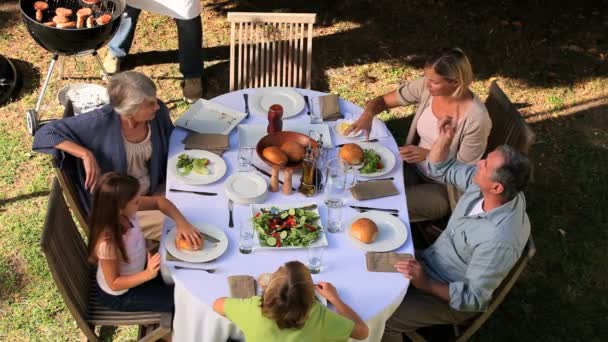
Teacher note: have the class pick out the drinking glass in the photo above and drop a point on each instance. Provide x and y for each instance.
(245, 237)
(244, 159)
(315, 256)
(339, 179)
(315, 116)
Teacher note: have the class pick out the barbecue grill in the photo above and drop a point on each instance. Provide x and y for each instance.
(68, 41)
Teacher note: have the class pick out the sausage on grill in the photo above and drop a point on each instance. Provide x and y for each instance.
(69, 24)
(65, 12)
(103, 19)
(58, 19)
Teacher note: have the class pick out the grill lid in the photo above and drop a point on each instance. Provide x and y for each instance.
(8, 79)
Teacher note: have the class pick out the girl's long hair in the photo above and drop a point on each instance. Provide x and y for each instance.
(112, 194)
(289, 296)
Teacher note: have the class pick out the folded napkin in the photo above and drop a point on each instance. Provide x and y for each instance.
(384, 261)
(374, 189)
(241, 286)
(216, 143)
(330, 109)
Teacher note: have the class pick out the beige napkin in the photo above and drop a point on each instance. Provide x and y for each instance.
(374, 189)
(330, 109)
(216, 143)
(384, 261)
(241, 286)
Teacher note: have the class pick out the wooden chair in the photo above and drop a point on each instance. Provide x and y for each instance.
(270, 49)
(508, 126)
(66, 254)
(463, 332)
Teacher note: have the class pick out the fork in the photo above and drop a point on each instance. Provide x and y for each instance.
(230, 208)
(208, 270)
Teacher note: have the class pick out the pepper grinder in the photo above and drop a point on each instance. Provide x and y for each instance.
(274, 179)
(288, 174)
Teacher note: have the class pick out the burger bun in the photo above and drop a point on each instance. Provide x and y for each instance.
(185, 245)
(352, 154)
(274, 155)
(364, 230)
(294, 151)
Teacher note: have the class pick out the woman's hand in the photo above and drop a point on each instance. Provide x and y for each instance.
(363, 123)
(92, 170)
(328, 291)
(187, 231)
(412, 270)
(413, 154)
(153, 265)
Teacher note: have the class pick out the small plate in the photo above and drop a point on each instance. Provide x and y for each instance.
(206, 116)
(342, 124)
(392, 233)
(210, 249)
(291, 101)
(321, 241)
(217, 168)
(246, 187)
(386, 157)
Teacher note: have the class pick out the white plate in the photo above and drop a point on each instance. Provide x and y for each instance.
(84, 96)
(392, 233)
(386, 157)
(249, 135)
(257, 208)
(210, 251)
(291, 101)
(209, 117)
(246, 187)
(217, 168)
(352, 134)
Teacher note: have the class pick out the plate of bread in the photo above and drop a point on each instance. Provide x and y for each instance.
(370, 159)
(376, 231)
(214, 244)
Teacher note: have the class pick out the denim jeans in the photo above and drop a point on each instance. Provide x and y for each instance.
(189, 36)
(153, 295)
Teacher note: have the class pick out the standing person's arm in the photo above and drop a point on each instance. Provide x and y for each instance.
(328, 291)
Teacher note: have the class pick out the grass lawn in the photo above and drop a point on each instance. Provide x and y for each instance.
(550, 57)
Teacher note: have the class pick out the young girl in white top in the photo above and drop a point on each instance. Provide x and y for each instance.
(127, 274)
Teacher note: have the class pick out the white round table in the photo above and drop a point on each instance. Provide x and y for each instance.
(373, 295)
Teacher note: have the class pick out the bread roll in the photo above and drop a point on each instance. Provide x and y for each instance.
(364, 230)
(185, 245)
(274, 155)
(294, 151)
(264, 279)
(352, 154)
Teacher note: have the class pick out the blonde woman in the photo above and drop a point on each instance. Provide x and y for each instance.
(288, 310)
(442, 92)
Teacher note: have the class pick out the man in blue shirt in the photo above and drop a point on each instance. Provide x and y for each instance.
(453, 279)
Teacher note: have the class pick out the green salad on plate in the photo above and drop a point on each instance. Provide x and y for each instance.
(289, 227)
(187, 164)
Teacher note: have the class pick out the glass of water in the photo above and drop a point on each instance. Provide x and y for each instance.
(315, 257)
(339, 179)
(315, 115)
(244, 159)
(245, 237)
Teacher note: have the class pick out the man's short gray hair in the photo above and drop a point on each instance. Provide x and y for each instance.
(127, 90)
(514, 173)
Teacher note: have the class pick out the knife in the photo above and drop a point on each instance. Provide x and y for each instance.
(209, 237)
(195, 192)
(370, 140)
(379, 209)
(246, 97)
(230, 208)
(390, 213)
(307, 104)
(268, 174)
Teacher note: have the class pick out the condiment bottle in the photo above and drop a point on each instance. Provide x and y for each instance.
(275, 119)
(307, 184)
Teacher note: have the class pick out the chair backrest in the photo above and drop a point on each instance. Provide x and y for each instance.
(270, 49)
(501, 292)
(66, 181)
(66, 254)
(508, 126)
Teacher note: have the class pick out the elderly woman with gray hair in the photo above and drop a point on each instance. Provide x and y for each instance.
(130, 135)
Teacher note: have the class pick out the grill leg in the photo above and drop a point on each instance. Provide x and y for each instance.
(106, 76)
(46, 82)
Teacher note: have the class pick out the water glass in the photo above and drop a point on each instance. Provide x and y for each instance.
(245, 237)
(315, 256)
(315, 116)
(339, 179)
(244, 159)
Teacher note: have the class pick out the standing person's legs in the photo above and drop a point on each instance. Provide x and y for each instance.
(190, 41)
(420, 309)
(120, 45)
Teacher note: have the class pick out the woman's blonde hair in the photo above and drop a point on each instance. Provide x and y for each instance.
(453, 65)
(289, 296)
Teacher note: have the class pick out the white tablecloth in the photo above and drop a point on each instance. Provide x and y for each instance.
(374, 296)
